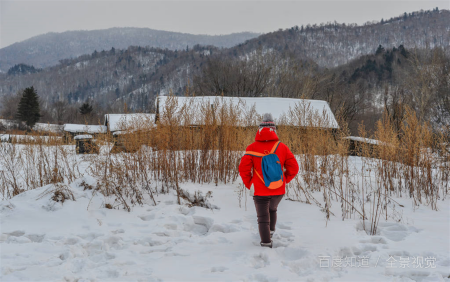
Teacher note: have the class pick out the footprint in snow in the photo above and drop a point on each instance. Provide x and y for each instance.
(284, 225)
(71, 241)
(260, 260)
(291, 254)
(36, 238)
(147, 217)
(393, 231)
(279, 243)
(375, 240)
(262, 278)
(16, 233)
(15, 237)
(201, 225)
(224, 228)
(118, 231)
(171, 226)
(218, 269)
(284, 234)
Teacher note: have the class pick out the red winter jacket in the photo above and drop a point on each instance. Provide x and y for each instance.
(264, 140)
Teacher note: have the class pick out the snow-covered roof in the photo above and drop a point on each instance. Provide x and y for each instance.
(117, 122)
(119, 133)
(47, 127)
(86, 136)
(83, 128)
(364, 140)
(296, 112)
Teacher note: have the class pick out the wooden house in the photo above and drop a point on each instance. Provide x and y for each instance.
(245, 112)
(251, 109)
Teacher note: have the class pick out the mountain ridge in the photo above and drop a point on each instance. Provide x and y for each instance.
(47, 49)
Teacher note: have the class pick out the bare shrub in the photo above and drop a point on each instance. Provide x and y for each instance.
(60, 193)
(197, 199)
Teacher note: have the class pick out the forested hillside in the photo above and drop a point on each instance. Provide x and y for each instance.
(360, 70)
(332, 44)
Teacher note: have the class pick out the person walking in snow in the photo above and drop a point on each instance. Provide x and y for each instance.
(256, 167)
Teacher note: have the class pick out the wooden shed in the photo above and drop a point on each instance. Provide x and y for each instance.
(85, 144)
(356, 145)
(72, 130)
(130, 131)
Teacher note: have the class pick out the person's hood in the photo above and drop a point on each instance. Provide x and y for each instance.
(266, 134)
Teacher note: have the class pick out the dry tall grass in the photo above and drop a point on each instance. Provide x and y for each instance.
(203, 143)
(29, 163)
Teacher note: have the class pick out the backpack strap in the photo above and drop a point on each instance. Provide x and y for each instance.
(259, 176)
(275, 147)
(255, 154)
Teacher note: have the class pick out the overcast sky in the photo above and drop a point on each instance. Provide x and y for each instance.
(20, 20)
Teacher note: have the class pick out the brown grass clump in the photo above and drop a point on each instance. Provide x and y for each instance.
(31, 165)
(60, 193)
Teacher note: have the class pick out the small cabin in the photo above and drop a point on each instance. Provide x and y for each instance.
(130, 131)
(72, 130)
(85, 144)
(359, 144)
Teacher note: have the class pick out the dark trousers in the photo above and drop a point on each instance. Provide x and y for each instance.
(266, 210)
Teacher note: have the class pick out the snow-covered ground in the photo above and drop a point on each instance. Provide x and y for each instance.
(81, 240)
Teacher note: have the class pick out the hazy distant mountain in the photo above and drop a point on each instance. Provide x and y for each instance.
(47, 49)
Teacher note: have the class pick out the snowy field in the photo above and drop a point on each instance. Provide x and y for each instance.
(44, 240)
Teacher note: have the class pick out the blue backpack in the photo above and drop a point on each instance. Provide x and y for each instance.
(271, 167)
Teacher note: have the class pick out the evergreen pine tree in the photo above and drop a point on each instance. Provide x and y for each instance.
(380, 50)
(28, 109)
(403, 51)
(85, 109)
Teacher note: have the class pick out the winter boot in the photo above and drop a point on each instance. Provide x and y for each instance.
(271, 233)
(267, 244)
